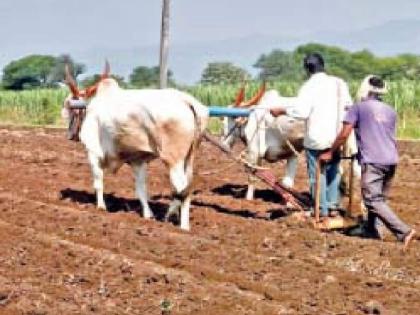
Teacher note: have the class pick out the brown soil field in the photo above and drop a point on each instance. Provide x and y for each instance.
(61, 255)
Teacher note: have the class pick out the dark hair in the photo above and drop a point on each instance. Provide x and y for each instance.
(313, 63)
(377, 82)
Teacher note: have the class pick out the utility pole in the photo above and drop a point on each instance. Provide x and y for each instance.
(164, 44)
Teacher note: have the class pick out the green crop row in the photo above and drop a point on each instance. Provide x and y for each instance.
(42, 107)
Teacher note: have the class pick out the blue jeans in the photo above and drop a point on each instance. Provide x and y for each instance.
(330, 180)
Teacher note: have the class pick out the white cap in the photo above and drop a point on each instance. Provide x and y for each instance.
(366, 87)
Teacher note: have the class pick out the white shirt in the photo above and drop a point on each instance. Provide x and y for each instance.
(321, 101)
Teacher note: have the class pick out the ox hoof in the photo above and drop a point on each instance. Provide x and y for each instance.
(148, 216)
(185, 227)
(146, 212)
(101, 207)
(173, 212)
(250, 198)
(172, 216)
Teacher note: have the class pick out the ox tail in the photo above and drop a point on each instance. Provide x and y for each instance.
(201, 115)
(197, 135)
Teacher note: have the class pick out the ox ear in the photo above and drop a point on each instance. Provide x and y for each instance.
(71, 82)
(256, 98)
(240, 97)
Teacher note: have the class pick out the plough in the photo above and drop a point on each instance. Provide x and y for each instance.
(291, 196)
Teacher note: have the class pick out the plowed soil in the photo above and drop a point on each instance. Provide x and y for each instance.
(61, 255)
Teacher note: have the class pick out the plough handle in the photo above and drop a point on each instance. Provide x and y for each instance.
(317, 189)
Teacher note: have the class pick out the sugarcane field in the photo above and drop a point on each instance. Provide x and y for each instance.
(216, 158)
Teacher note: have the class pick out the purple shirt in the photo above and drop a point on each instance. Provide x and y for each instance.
(374, 123)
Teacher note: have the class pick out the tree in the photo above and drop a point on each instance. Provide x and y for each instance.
(279, 65)
(399, 67)
(340, 62)
(38, 71)
(58, 73)
(164, 45)
(147, 77)
(28, 72)
(336, 59)
(223, 72)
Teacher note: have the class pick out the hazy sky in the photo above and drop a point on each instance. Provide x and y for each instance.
(128, 31)
(58, 25)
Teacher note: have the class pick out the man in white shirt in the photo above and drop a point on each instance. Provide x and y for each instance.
(321, 102)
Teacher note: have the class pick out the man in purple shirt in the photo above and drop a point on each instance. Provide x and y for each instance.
(374, 123)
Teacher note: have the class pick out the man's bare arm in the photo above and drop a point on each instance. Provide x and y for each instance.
(339, 141)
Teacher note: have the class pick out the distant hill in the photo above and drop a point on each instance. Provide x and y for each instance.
(391, 38)
(187, 61)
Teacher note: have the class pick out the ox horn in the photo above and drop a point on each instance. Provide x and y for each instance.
(90, 91)
(71, 82)
(107, 70)
(257, 97)
(240, 97)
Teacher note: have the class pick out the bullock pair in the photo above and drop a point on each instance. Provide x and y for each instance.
(136, 126)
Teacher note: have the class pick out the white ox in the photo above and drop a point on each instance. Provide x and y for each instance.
(266, 137)
(135, 127)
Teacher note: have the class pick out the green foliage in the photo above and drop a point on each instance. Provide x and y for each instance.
(143, 77)
(223, 72)
(347, 65)
(37, 71)
(225, 94)
(57, 74)
(28, 72)
(404, 96)
(35, 107)
(279, 64)
(42, 107)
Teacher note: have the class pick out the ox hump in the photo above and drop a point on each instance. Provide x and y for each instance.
(108, 85)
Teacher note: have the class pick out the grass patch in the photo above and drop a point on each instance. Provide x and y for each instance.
(42, 107)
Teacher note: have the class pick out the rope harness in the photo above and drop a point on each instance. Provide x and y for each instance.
(240, 122)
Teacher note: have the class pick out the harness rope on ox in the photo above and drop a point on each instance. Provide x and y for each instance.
(242, 118)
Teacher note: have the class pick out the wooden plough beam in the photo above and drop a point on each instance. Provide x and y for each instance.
(293, 197)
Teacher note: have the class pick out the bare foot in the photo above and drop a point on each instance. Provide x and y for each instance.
(408, 239)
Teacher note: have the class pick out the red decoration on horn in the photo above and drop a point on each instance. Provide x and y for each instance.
(256, 98)
(239, 97)
(91, 90)
(71, 82)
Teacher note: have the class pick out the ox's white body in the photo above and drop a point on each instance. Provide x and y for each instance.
(269, 138)
(136, 126)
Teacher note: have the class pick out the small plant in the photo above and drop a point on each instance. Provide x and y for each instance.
(166, 307)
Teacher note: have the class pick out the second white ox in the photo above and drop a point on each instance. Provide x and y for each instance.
(270, 138)
(135, 127)
(266, 137)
